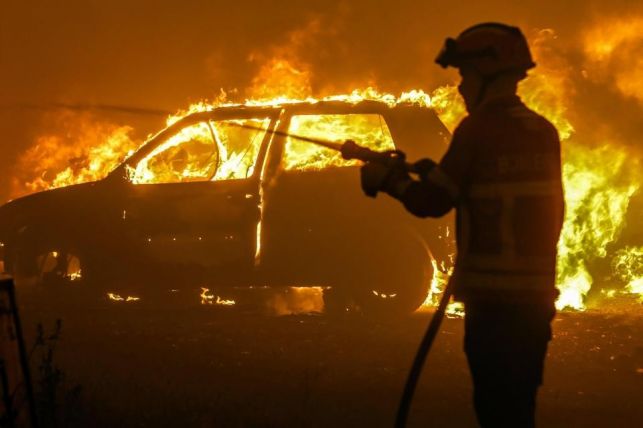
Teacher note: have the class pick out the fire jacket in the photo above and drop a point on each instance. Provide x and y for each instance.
(502, 173)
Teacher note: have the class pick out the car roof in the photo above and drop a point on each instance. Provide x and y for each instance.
(273, 110)
(306, 107)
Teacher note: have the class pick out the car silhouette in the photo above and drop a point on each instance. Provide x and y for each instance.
(207, 201)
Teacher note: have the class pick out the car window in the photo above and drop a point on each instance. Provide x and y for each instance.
(206, 151)
(238, 146)
(368, 130)
(189, 155)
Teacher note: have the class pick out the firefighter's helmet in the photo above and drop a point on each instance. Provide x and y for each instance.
(490, 48)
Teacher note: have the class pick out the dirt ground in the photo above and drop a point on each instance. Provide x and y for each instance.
(144, 366)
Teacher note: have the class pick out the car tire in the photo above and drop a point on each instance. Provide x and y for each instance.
(391, 278)
(36, 260)
(336, 301)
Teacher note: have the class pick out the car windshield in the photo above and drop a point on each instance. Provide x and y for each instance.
(206, 151)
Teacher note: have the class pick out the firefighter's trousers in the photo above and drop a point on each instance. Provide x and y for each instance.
(506, 344)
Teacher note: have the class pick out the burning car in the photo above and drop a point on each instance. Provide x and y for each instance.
(207, 201)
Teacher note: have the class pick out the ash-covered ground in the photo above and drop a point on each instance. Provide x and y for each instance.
(145, 366)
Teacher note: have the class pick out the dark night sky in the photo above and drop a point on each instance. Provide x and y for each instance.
(165, 54)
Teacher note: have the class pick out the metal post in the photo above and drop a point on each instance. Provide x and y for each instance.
(7, 285)
(6, 395)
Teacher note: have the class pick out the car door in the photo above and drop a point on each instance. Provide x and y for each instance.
(316, 197)
(193, 199)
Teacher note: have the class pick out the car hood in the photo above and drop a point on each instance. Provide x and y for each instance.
(48, 207)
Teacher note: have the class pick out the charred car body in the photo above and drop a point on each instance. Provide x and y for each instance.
(206, 201)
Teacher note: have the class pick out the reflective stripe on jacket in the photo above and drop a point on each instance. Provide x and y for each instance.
(502, 173)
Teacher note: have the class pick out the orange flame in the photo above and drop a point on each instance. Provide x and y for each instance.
(83, 149)
(207, 298)
(597, 193)
(118, 298)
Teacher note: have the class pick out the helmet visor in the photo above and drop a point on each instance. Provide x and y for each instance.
(448, 55)
(451, 56)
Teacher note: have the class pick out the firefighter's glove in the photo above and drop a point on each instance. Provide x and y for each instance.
(423, 167)
(378, 177)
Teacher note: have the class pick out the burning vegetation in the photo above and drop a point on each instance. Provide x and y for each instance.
(601, 173)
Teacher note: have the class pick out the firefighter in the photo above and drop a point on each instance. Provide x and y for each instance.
(502, 174)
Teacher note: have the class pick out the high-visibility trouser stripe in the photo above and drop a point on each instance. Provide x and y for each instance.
(514, 189)
(505, 281)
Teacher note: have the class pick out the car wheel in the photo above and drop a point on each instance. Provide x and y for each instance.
(394, 280)
(337, 301)
(38, 263)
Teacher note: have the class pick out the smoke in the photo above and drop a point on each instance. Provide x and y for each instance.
(282, 70)
(613, 55)
(588, 79)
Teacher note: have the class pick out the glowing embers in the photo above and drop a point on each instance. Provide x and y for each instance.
(118, 298)
(206, 151)
(369, 129)
(61, 265)
(297, 301)
(74, 271)
(208, 298)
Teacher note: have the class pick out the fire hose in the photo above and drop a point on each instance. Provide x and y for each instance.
(420, 357)
(350, 150)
